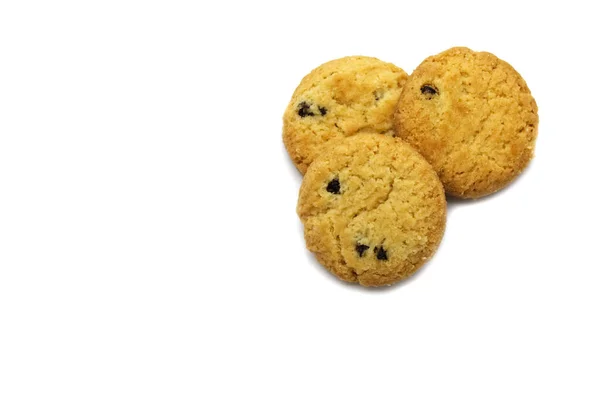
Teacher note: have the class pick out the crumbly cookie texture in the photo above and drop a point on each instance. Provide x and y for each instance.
(373, 209)
(340, 98)
(472, 116)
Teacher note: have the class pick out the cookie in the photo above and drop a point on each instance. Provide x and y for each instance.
(340, 98)
(472, 116)
(373, 209)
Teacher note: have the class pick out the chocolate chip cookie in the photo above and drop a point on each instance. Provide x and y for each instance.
(472, 116)
(340, 98)
(373, 209)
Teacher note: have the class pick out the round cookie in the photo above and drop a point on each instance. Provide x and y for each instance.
(340, 98)
(472, 116)
(373, 209)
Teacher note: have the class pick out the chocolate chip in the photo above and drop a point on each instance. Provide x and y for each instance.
(381, 253)
(334, 186)
(304, 109)
(429, 91)
(323, 110)
(361, 248)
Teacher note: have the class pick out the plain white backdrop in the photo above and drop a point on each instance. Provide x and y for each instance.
(149, 246)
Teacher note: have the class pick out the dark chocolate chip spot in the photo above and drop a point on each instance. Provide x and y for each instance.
(323, 110)
(334, 186)
(381, 253)
(304, 109)
(361, 248)
(429, 91)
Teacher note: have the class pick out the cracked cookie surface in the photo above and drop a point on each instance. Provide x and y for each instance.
(373, 209)
(472, 116)
(340, 98)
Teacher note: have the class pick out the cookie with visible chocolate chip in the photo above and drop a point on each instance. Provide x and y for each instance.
(472, 116)
(340, 98)
(373, 209)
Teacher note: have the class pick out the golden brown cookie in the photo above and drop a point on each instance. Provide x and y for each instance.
(340, 98)
(472, 116)
(373, 209)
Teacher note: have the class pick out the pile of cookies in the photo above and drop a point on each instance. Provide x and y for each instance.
(380, 150)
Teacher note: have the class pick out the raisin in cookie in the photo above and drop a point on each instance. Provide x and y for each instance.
(340, 98)
(472, 116)
(373, 209)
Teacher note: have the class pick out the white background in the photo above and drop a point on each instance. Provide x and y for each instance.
(149, 246)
